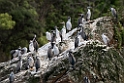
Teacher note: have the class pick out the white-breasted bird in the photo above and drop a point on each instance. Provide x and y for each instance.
(31, 62)
(48, 36)
(86, 80)
(58, 38)
(55, 50)
(24, 50)
(105, 39)
(63, 32)
(14, 53)
(69, 24)
(31, 46)
(11, 77)
(81, 20)
(114, 13)
(88, 15)
(19, 64)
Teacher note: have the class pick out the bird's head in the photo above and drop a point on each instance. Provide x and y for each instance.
(69, 17)
(19, 48)
(89, 7)
(55, 27)
(34, 35)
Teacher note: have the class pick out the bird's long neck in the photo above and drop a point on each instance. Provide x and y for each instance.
(69, 19)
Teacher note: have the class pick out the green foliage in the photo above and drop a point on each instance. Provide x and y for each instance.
(28, 17)
(43, 40)
(6, 21)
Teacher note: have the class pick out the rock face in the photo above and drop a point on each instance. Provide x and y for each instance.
(98, 62)
(94, 60)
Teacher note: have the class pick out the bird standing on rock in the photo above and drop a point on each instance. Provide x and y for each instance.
(114, 13)
(24, 50)
(55, 50)
(68, 24)
(81, 20)
(19, 64)
(31, 62)
(83, 34)
(86, 80)
(88, 15)
(58, 38)
(35, 44)
(76, 43)
(11, 77)
(105, 39)
(48, 36)
(14, 53)
(37, 63)
(63, 32)
(50, 52)
(53, 37)
(31, 46)
(72, 59)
